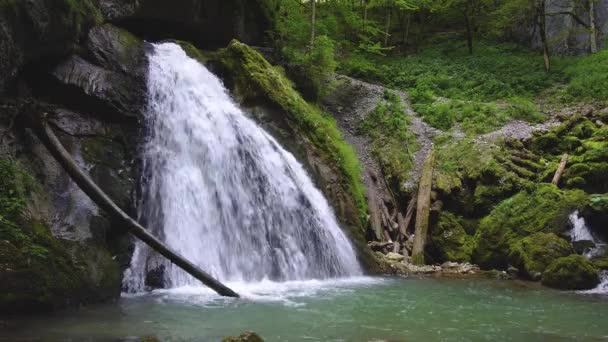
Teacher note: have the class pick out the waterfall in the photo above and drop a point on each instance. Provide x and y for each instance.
(222, 192)
(580, 232)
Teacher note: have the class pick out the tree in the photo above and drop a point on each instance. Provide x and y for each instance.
(470, 10)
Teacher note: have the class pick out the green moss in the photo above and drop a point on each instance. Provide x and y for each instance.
(573, 272)
(532, 254)
(193, 52)
(40, 272)
(542, 208)
(254, 76)
(601, 263)
(394, 144)
(450, 240)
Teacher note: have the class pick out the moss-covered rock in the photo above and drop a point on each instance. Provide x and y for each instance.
(573, 272)
(450, 242)
(37, 271)
(532, 254)
(541, 208)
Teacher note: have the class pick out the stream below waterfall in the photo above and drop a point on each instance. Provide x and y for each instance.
(359, 309)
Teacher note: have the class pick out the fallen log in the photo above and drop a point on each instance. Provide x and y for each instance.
(560, 169)
(37, 121)
(423, 209)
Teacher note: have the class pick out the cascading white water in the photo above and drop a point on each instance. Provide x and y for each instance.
(580, 232)
(223, 192)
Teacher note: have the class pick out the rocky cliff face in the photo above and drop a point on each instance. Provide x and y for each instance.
(565, 34)
(66, 58)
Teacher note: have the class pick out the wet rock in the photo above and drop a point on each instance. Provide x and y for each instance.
(583, 246)
(40, 31)
(573, 272)
(248, 336)
(110, 81)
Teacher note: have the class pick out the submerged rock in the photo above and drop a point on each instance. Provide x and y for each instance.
(248, 336)
(573, 272)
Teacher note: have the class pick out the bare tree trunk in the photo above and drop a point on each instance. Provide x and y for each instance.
(592, 27)
(422, 212)
(374, 215)
(313, 22)
(407, 29)
(560, 169)
(467, 21)
(38, 122)
(387, 26)
(542, 24)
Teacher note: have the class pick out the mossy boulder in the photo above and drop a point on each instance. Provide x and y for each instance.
(37, 271)
(573, 272)
(450, 242)
(541, 208)
(532, 254)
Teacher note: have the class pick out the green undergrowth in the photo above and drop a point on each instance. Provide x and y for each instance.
(394, 144)
(253, 75)
(448, 86)
(481, 92)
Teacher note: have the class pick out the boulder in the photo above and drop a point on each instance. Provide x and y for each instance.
(110, 80)
(583, 246)
(541, 208)
(450, 242)
(248, 336)
(573, 272)
(532, 254)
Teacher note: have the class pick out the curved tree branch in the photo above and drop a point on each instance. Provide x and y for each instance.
(37, 120)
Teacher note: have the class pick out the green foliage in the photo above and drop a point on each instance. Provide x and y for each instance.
(532, 254)
(542, 208)
(481, 92)
(589, 78)
(573, 272)
(393, 142)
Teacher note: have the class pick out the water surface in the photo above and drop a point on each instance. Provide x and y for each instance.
(359, 309)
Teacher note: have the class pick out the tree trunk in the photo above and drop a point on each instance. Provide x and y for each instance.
(406, 35)
(592, 27)
(38, 122)
(542, 25)
(387, 26)
(313, 22)
(374, 215)
(467, 20)
(423, 209)
(560, 169)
